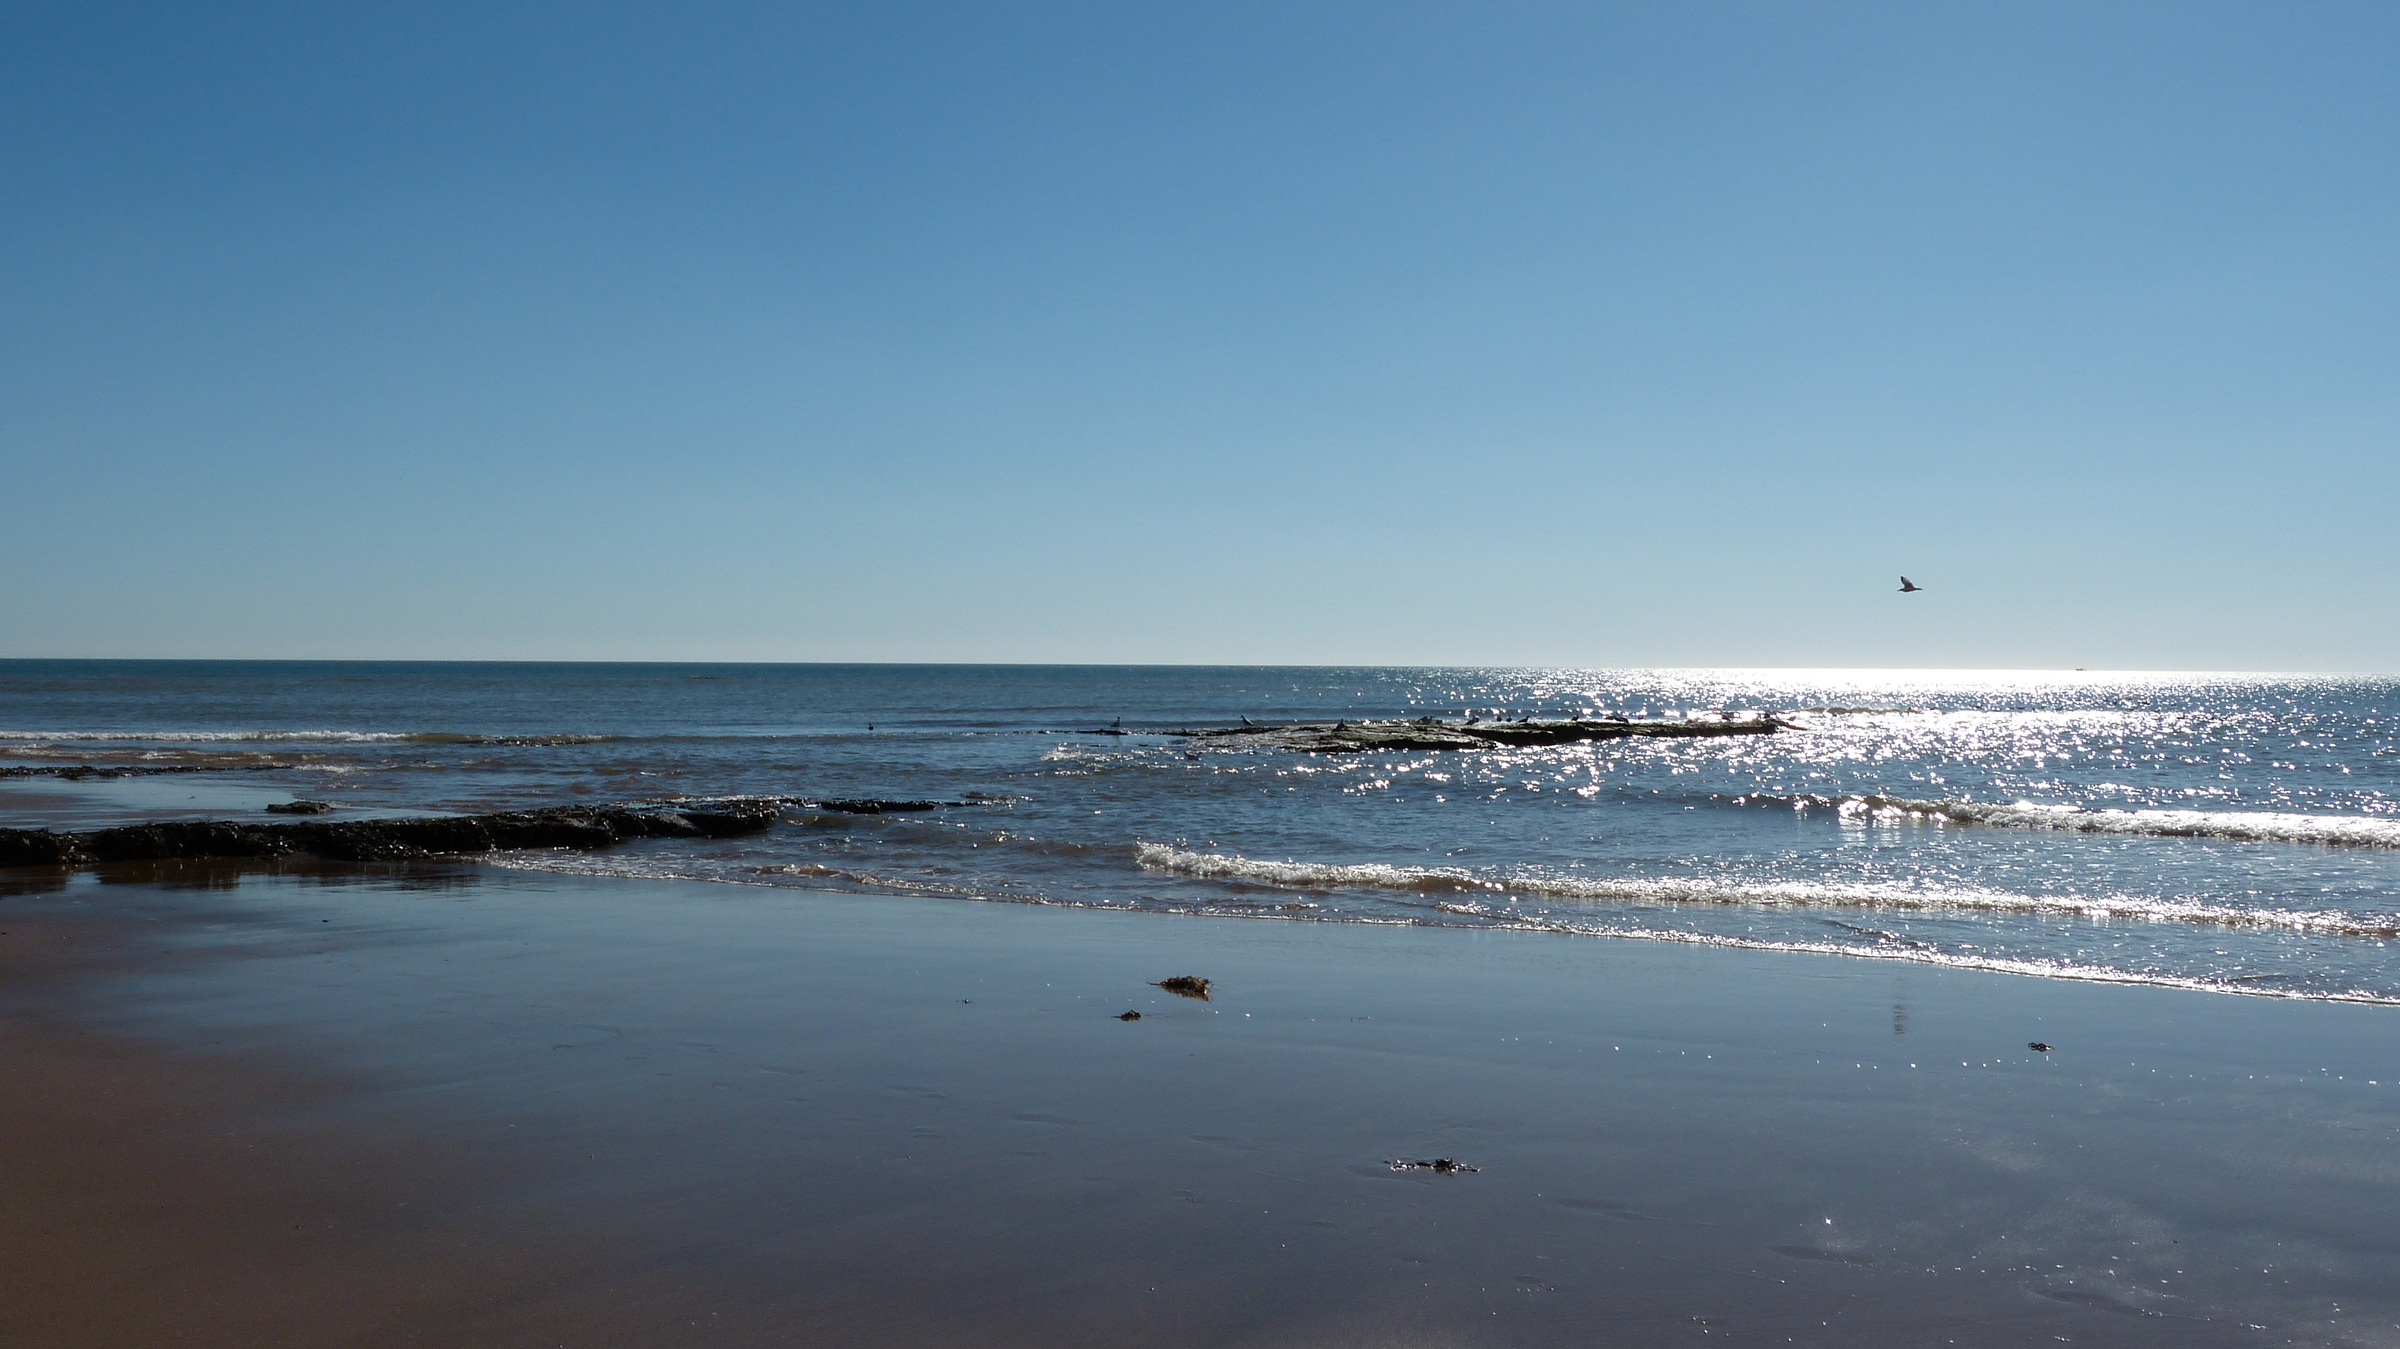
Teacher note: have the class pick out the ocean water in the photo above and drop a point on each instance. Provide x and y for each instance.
(2223, 832)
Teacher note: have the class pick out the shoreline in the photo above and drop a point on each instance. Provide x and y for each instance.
(513, 1107)
(1996, 965)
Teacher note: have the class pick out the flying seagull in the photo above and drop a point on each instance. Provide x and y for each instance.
(1908, 587)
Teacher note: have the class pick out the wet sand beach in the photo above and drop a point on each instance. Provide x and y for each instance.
(455, 1105)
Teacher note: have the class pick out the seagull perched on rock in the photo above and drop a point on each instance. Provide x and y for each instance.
(1908, 587)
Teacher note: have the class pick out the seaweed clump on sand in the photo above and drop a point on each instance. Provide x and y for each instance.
(1185, 985)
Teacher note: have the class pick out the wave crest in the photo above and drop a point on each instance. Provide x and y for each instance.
(2235, 826)
(1306, 875)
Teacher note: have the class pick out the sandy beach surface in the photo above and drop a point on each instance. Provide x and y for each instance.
(455, 1105)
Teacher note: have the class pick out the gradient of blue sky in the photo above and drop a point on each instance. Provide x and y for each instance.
(1478, 333)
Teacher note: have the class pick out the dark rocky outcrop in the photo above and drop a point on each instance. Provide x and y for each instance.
(583, 827)
(300, 808)
(84, 772)
(877, 806)
(1353, 737)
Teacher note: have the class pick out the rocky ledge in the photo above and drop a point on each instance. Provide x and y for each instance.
(1353, 737)
(585, 827)
(85, 772)
(581, 827)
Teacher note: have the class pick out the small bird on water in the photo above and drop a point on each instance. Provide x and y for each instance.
(1909, 587)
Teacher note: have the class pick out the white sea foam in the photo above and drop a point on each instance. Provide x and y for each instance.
(1763, 895)
(1307, 875)
(2048, 969)
(2240, 826)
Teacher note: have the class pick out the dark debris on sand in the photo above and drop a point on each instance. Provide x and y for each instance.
(1440, 1166)
(1185, 985)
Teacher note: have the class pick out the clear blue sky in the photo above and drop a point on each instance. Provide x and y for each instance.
(1654, 334)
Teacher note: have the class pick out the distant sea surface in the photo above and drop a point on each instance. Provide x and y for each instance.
(2230, 833)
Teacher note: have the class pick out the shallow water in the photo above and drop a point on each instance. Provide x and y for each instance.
(2238, 833)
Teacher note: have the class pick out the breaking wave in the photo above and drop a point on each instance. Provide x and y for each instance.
(2237, 826)
(1761, 895)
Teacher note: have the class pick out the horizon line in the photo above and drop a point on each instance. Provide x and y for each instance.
(1192, 665)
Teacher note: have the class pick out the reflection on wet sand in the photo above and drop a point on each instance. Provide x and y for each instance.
(299, 1106)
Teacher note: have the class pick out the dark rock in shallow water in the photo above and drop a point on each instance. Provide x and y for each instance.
(1354, 737)
(33, 848)
(581, 827)
(873, 806)
(1186, 985)
(84, 772)
(300, 808)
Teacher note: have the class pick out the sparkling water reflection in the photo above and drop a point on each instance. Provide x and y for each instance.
(2229, 832)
